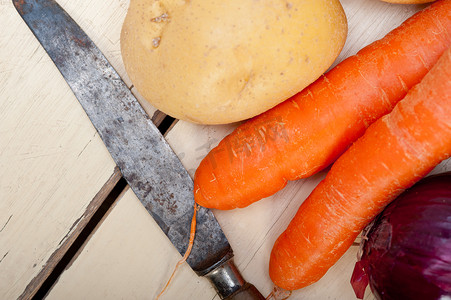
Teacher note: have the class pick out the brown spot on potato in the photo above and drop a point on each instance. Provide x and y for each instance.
(268, 39)
(161, 18)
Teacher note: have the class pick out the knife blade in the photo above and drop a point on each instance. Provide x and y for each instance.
(145, 159)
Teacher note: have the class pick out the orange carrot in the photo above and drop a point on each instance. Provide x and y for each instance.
(192, 234)
(309, 131)
(394, 153)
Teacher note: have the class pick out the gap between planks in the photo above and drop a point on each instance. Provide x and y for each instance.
(75, 240)
(38, 281)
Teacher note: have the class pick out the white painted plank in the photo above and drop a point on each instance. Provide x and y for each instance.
(52, 161)
(122, 262)
(128, 257)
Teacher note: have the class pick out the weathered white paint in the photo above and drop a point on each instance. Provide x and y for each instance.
(128, 257)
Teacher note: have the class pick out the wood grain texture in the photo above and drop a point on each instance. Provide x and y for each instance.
(55, 169)
(128, 257)
(78, 226)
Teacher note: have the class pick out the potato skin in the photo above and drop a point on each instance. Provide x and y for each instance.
(217, 62)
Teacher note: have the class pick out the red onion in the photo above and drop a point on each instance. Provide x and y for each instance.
(406, 253)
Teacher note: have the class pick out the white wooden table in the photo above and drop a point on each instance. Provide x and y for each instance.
(56, 172)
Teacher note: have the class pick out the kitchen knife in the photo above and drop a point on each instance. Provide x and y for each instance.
(145, 159)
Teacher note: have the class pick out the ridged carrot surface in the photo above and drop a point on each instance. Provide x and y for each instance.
(394, 153)
(306, 133)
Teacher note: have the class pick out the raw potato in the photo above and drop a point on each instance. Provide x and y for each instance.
(217, 62)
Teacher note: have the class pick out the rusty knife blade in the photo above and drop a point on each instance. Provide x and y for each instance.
(145, 159)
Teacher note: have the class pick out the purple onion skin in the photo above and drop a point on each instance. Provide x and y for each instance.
(408, 251)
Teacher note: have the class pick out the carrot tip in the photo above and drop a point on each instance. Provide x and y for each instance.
(279, 293)
(188, 250)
